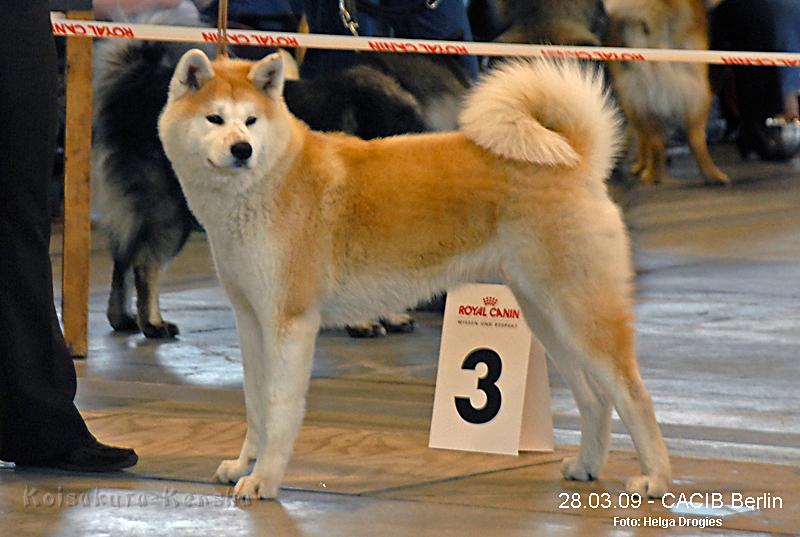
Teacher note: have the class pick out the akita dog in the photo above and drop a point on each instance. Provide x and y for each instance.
(307, 228)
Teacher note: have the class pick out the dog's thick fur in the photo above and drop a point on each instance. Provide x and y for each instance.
(142, 208)
(573, 22)
(314, 227)
(658, 96)
(419, 93)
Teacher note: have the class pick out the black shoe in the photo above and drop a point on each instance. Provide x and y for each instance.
(95, 457)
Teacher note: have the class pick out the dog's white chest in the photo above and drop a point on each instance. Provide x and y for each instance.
(245, 261)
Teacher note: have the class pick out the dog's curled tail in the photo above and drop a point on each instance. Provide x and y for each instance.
(554, 113)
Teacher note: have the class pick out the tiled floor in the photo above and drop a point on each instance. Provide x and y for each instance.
(719, 342)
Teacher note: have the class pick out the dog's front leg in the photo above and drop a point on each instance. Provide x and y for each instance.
(251, 344)
(288, 358)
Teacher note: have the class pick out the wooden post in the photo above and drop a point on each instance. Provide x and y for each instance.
(77, 194)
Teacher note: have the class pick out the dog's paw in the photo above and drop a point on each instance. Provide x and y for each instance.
(165, 330)
(230, 471)
(398, 323)
(575, 470)
(367, 329)
(647, 486)
(718, 177)
(123, 323)
(651, 177)
(251, 487)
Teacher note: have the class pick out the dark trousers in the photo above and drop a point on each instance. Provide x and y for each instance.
(38, 418)
(761, 25)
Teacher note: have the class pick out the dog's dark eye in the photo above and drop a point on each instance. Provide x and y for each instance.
(249, 121)
(215, 119)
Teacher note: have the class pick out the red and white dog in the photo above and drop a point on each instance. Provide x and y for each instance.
(308, 228)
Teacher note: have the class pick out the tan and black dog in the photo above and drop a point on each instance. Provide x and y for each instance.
(662, 95)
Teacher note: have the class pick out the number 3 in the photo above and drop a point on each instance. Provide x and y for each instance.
(487, 385)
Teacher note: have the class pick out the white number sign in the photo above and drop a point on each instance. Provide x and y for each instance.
(492, 392)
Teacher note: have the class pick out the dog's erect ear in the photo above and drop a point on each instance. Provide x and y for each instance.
(267, 75)
(193, 70)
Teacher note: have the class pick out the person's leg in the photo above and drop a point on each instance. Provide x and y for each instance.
(39, 424)
(38, 418)
(750, 25)
(787, 39)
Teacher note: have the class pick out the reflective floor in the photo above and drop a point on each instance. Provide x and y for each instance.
(719, 343)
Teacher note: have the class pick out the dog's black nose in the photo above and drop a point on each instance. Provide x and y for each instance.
(241, 150)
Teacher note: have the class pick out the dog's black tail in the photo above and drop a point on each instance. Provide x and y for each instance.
(131, 80)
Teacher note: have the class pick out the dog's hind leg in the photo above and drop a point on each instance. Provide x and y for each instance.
(595, 410)
(642, 158)
(595, 335)
(576, 297)
(156, 244)
(635, 407)
(653, 156)
(635, 134)
(146, 277)
(119, 312)
(650, 165)
(251, 344)
(288, 353)
(697, 143)
(593, 403)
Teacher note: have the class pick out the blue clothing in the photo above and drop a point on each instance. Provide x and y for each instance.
(786, 14)
(447, 21)
(266, 15)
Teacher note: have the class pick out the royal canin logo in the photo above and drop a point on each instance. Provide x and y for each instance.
(488, 309)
